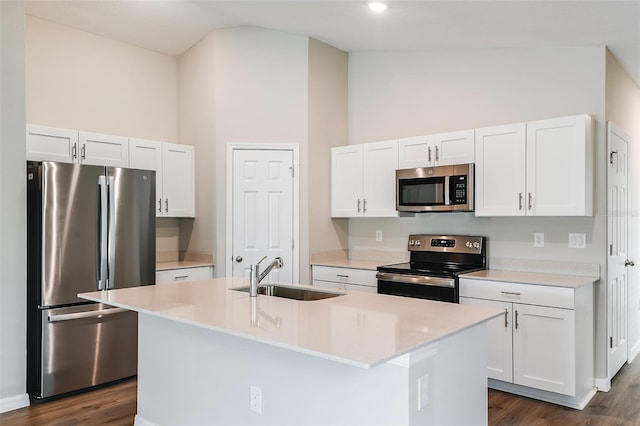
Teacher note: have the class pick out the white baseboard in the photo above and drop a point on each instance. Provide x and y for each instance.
(603, 385)
(141, 421)
(634, 351)
(14, 402)
(578, 402)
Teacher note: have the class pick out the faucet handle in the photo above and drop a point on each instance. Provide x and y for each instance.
(260, 261)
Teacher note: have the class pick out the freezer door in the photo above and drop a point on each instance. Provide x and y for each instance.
(68, 238)
(132, 227)
(84, 346)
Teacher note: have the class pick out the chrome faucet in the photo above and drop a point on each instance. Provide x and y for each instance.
(256, 277)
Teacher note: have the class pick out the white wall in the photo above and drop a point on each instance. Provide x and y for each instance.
(82, 81)
(623, 108)
(12, 209)
(402, 94)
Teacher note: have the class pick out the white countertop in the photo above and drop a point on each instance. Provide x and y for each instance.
(353, 264)
(164, 266)
(358, 328)
(537, 278)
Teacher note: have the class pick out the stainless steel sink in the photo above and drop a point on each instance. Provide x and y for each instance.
(289, 292)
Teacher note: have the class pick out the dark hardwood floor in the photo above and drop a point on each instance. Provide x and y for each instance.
(116, 405)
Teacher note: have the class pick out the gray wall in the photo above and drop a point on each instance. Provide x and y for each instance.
(12, 205)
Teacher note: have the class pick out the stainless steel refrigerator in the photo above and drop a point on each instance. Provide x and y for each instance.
(89, 228)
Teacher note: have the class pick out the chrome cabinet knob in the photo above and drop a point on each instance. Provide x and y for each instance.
(239, 259)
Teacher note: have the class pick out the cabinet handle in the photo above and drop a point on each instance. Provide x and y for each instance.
(510, 293)
(160, 205)
(364, 205)
(519, 200)
(166, 205)
(517, 320)
(74, 151)
(437, 156)
(358, 205)
(429, 150)
(83, 152)
(181, 277)
(506, 320)
(342, 276)
(529, 201)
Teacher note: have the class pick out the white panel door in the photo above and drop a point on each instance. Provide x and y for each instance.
(52, 144)
(380, 161)
(544, 348)
(556, 164)
(499, 333)
(454, 148)
(618, 220)
(147, 155)
(263, 211)
(103, 150)
(178, 177)
(500, 170)
(346, 181)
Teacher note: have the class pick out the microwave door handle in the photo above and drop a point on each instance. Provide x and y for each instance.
(447, 201)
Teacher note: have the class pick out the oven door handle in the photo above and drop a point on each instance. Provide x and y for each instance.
(417, 279)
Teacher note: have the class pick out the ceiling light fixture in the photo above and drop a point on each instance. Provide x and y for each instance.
(377, 6)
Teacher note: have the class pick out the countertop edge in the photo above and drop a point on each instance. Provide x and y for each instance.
(183, 264)
(533, 278)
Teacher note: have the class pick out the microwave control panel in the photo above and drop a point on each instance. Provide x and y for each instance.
(458, 189)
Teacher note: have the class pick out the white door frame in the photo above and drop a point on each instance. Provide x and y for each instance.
(295, 148)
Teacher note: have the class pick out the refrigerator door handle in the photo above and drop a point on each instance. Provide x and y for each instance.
(102, 233)
(111, 261)
(79, 315)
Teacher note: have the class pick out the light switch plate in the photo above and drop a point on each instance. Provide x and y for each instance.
(379, 235)
(538, 239)
(423, 392)
(577, 240)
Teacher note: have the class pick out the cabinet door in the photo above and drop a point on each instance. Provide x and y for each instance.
(346, 181)
(544, 348)
(52, 144)
(454, 148)
(172, 276)
(380, 161)
(499, 333)
(178, 180)
(500, 170)
(147, 155)
(415, 152)
(559, 170)
(103, 150)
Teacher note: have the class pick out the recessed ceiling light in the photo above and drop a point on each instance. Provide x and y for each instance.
(378, 6)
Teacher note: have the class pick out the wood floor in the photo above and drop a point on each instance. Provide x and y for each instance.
(116, 405)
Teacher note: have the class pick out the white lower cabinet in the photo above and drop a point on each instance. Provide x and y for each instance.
(170, 276)
(543, 342)
(345, 278)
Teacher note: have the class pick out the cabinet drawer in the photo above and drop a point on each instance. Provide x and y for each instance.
(184, 274)
(345, 275)
(530, 294)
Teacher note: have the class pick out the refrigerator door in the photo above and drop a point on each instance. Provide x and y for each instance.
(69, 232)
(132, 227)
(84, 346)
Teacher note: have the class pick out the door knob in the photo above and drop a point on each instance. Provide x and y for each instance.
(238, 259)
(629, 263)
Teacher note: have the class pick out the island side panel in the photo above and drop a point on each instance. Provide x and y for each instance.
(189, 375)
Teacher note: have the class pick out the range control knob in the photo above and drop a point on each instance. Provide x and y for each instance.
(476, 245)
(418, 243)
(411, 242)
(468, 244)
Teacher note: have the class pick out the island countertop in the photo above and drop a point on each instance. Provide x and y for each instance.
(356, 328)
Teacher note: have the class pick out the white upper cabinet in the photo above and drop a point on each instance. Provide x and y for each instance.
(178, 176)
(52, 144)
(103, 150)
(363, 180)
(71, 146)
(147, 155)
(539, 168)
(437, 150)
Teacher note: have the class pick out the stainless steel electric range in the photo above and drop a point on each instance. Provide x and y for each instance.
(435, 263)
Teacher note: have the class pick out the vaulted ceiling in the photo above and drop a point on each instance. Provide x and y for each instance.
(173, 26)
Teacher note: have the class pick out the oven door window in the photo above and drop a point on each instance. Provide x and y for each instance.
(421, 191)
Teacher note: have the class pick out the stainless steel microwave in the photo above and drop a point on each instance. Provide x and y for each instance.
(438, 189)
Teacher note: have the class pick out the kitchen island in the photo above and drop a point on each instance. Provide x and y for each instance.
(209, 354)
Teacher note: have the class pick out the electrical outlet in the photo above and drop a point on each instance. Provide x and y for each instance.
(423, 392)
(538, 239)
(255, 399)
(379, 235)
(577, 240)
